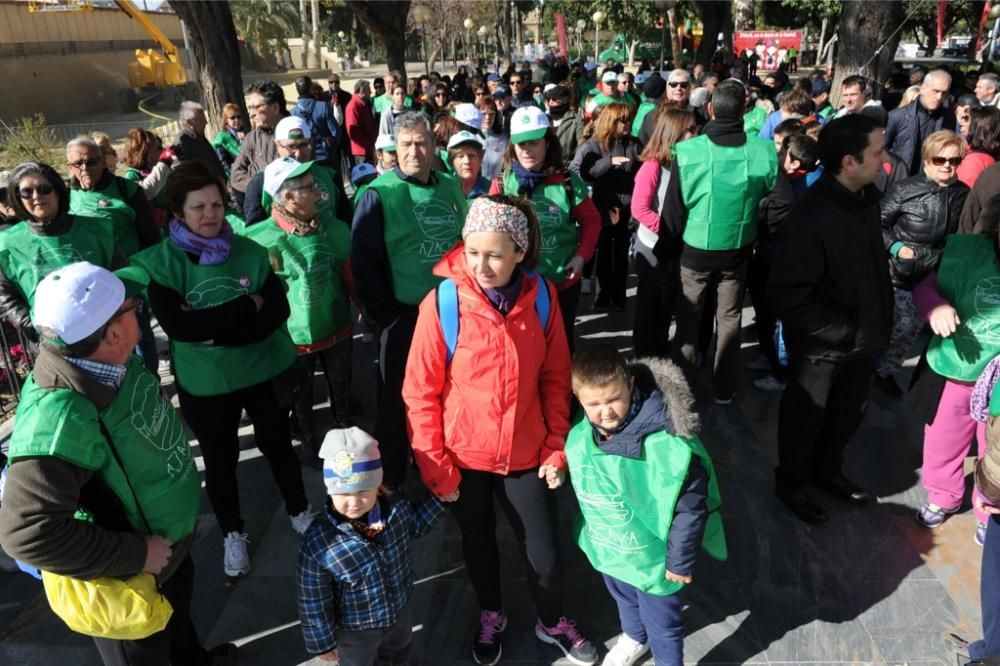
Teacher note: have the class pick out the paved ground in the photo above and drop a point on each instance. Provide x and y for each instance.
(871, 587)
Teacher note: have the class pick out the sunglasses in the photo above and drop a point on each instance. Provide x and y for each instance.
(941, 161)
(679, 84)
(514, 83)
(86, 164)
(41, 190)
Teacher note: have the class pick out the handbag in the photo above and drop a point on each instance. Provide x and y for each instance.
(288, 385)
(107, 607)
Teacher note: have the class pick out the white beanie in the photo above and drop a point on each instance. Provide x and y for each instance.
(351, 461)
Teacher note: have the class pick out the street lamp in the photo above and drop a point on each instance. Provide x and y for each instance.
(482, 39)
(598, 17)
(469, 25)
(422, 14)
(581, 25)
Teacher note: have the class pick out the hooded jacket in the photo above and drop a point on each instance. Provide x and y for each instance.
(502, 403)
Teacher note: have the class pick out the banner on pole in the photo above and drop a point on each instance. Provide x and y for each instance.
(771, 46)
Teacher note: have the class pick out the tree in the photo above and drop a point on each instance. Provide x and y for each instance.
(387, 23)
(744, 15)
(215, 47)
(715, 17)
(266, 24)
(868, 39)
(922, 19)
(631, 18)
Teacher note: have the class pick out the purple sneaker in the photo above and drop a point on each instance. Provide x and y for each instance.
(566, 637)
(486, 648)
(980, 535)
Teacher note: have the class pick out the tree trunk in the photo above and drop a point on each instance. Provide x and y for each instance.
(212, 36)
(743, 15)
(715, 17)
(822, 41)
(305, 33)
(317, 49)
(387, 23)
(867, 26)
(674, 17)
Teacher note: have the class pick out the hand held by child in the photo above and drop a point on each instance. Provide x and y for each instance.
(553, 476)
(677, 578)
(450, 497)
(982, 506)
(330, 656)
(944, 320)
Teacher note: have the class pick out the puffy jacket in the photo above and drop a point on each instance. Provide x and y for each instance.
(904, 137)
(829, 281)
(502, 403)
(920, 214)
(612, 184)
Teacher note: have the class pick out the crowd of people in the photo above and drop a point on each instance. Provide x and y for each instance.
(456, 223)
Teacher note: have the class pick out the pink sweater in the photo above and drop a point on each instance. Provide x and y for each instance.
(973, 165)
(647, 181)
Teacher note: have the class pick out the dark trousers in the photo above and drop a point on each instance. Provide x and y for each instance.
(989, 592)
(530, 508)
(569, 299)
(176, 644)
(335, 362)
(822, 407)
(651, 618)
(612, 262)
(215, 421)
(655, 297)
(696, 288)
(390, 428)
(378, 647)
(147, 343)
(760, 271)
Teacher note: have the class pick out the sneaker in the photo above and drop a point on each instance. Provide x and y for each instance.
(724, 399)
(586, 286)
(769, 383)
(236, 559)
(566, 637)
(931, 515)
(486, 648)
(980, 535)
(759, 364)
(626, 651)
(302, 521)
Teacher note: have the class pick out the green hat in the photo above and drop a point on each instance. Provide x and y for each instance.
(527, 124)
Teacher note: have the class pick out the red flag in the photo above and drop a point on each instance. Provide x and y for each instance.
(561, 36)
(982, 26)
(942, 8)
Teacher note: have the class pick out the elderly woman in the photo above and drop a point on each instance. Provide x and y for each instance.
(149, 165)
(225, 313)
(918, 214)
(459, 393)
(465, 157)
(48, 237)
(229, 139)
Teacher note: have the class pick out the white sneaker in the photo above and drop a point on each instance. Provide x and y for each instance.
(586, 286)
(302, 521)
(769, 383)
(625, 652)
(236, 559)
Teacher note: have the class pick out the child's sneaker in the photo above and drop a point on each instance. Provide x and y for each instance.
(302, 521)
(980, 535)
(566, 637)
(625, 652)
(931, 515)
(486, 648)
(236, 559)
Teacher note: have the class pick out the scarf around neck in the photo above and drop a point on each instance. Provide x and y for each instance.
(292, 224)
(210, 251)
(528, 180)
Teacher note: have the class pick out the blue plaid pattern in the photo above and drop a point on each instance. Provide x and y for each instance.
(108, 374)
(348, 583)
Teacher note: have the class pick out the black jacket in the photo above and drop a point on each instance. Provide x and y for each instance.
(920, 214)
(190, 147)
(909, 126)
(981, 213)
(830, 281)
(612, 185)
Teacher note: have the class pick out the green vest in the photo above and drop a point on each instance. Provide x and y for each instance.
(147, 434)
(826, 112)
(557, 227)
(721, 188)
(627, 505)
(309, 267)
(600, 99)
(753, 120)
(134, 175)
(110, 203)
(236, 221)
(384, 101)
(27, 257)
(969, 279)
(227, 142)
(421, 223)
(640, 116)
(206, 369)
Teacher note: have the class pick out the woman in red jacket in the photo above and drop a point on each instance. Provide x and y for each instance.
(488, 411)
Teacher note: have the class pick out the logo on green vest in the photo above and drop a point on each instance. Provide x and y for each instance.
(103, 203)
(985, 323)
(216, 291)
(608, 517)
(52, 258)
(550, 218)
(438, 227)
(312, 267)
(154, 419)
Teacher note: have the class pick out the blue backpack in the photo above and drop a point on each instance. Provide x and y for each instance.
(447, 305)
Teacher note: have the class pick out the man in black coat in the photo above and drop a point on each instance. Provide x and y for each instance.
(910, 125)
(830, 288)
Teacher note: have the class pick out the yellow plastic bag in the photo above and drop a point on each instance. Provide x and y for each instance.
(108, 607)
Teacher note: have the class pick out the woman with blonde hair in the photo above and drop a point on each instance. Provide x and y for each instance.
(229, 139)
(608, 162)
(656, 290)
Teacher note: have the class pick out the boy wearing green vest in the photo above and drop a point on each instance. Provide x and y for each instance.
(647, 492)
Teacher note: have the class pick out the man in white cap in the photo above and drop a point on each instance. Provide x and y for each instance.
(94, 433)
(310, 254)
(608, 89)
(293, 138)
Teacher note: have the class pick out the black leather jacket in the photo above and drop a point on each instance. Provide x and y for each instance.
(920, 214)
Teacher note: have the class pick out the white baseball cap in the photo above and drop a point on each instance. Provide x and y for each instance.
(385, 142)
(292, 128)
(277, 172)
(468, 114)
(527, 124)
(77, 299)
(609, 77)
(459, 138)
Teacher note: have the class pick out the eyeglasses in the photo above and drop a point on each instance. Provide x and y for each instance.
(86, 164)
(41, 190)
(679, 84)
(138, 305)
(937, 160)
(310, 186)
(515, 82)
(254, 107)
(440, 94)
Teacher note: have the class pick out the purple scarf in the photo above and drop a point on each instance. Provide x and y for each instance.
(979, 401)
(210, 251)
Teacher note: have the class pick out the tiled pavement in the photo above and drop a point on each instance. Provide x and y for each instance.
(871, 587)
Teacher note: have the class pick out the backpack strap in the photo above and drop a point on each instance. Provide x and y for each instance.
(543, 301)
(447, 304)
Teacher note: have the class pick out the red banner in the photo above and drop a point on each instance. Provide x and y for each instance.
(942, 8)
(982, 25)
(771, 46)
(561, 35)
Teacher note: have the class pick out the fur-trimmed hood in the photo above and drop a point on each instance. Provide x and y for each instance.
(664, 376)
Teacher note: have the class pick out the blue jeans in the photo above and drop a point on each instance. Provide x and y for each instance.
(989, 592)
(651, 618)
